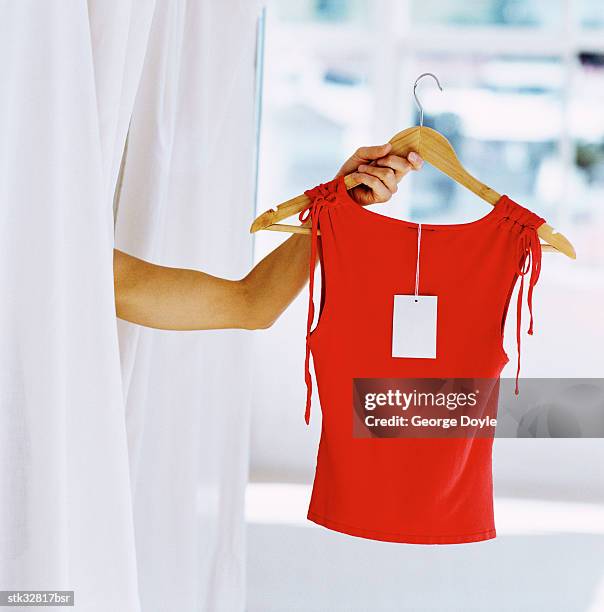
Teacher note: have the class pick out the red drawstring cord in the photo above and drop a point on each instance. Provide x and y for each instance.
(317, 201)
(530, 259)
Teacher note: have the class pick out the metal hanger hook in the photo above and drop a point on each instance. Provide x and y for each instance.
(421, 109)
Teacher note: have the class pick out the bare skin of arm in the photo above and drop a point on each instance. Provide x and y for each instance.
(181, 299)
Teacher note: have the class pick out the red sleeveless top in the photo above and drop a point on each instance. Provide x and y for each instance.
(422, 491)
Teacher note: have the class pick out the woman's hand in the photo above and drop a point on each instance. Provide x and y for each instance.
(380, 180)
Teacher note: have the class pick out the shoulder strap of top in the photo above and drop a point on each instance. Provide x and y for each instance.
(529, 260)
(319, 196)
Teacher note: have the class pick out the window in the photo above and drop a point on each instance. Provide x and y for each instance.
(591, 14)
(523, 89)
(503, 116)
(523, 92)
(534, 13)
(317, 11)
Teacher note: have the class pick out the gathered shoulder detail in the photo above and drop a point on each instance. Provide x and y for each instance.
(515, 213)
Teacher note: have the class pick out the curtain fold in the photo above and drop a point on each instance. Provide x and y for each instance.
(187, 200)
(66, 517)
(138, 501)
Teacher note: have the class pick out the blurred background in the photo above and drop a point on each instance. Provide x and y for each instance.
(523, 106)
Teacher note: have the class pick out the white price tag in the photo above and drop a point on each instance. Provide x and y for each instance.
(414, 326)
(414, 319)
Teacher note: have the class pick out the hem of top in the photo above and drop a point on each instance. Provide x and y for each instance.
(401, 538)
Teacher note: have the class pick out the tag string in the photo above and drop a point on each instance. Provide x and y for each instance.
(419, 240)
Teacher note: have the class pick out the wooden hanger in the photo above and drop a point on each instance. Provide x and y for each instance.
(434, 148)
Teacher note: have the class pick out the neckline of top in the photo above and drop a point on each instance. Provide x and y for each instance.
(497, 207)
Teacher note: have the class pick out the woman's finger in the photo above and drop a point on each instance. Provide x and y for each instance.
(379, 191)
(398, 164)
(363, 155)
(415, 160)
(385, 174)
(373, 152)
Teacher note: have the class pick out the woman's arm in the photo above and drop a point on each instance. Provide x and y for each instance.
(177, 298)
(181, 299)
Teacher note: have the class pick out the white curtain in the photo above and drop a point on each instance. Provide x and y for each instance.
(186, 200)
(137, 501)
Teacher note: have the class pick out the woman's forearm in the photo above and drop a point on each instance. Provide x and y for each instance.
(275, 281)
